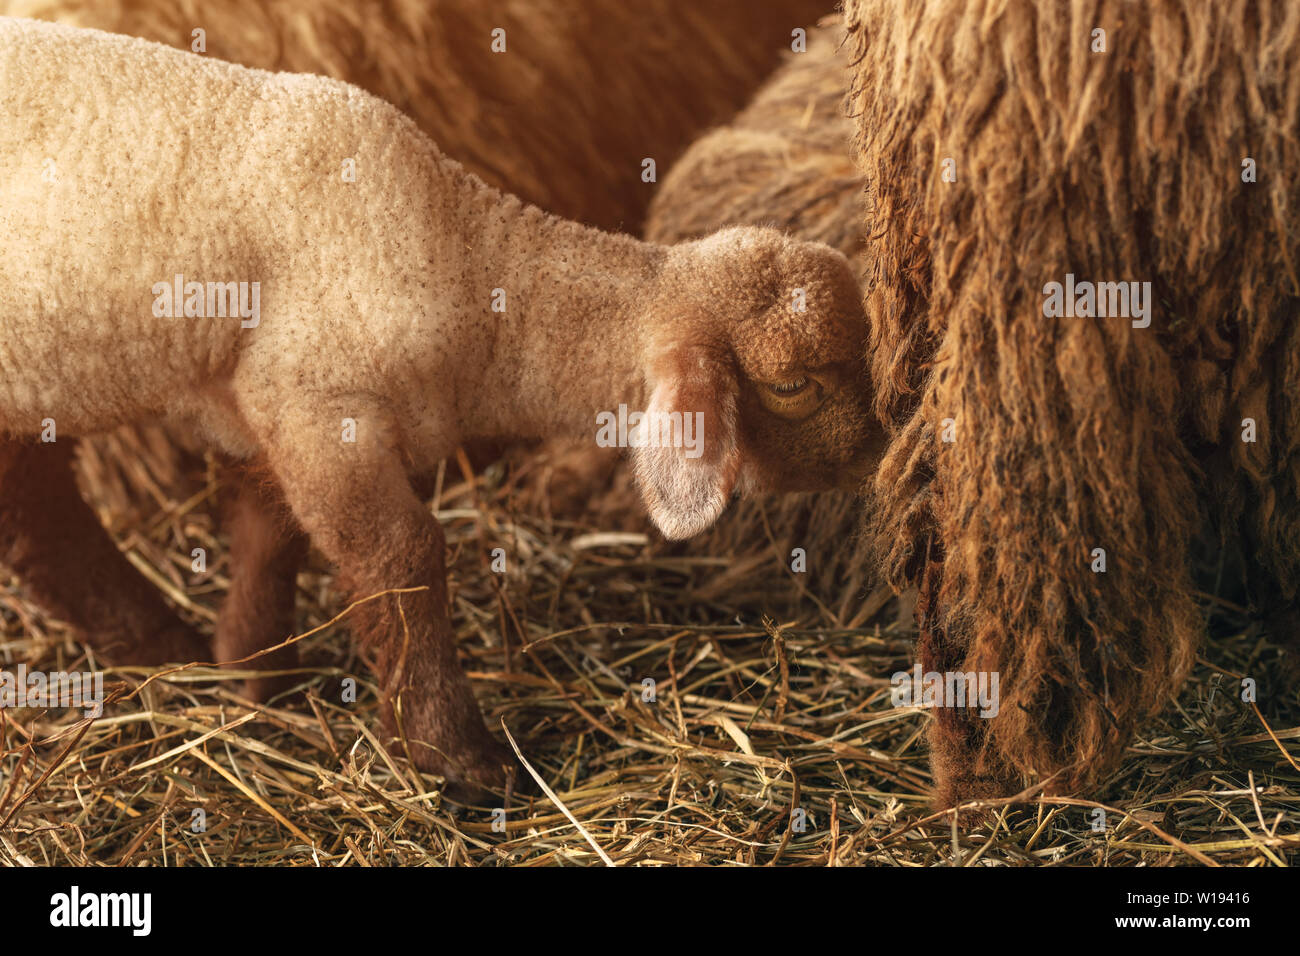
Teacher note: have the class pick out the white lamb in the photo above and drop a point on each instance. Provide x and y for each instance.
(402, 307)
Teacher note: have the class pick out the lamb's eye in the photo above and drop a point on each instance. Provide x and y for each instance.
(789, 388)
(794, 399)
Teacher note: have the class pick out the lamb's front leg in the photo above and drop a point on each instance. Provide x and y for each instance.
(356, 503)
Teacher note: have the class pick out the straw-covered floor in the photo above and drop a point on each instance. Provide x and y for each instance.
(772, 695)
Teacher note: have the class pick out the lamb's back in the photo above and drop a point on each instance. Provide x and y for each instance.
(124, 163)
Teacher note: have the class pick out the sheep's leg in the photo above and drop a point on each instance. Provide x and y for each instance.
(357, 505)
(51, 539)
(266, 550)
(956, 735)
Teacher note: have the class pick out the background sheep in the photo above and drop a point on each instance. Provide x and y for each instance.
(783, 161)
(1086, 433)
(376, 316)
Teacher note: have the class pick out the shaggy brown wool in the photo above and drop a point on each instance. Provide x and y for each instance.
(1075, 434)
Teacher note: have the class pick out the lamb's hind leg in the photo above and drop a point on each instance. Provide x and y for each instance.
(266, 549)
(51, 539)
(357, 505)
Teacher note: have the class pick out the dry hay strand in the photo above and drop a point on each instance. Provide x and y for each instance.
(757, 714)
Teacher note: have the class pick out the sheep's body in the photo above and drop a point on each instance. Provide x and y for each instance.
(104, 141)
(343, 270)
(1076, 434)
(374, 310)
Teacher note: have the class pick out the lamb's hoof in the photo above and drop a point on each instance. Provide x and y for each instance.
(173, 644)
(481, 777)
(262, 690)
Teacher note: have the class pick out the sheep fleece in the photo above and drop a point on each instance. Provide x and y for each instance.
(1074, 434)
(585, 90)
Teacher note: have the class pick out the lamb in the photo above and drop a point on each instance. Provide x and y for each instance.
(1007, 144)
(375, 349)
(573, 145)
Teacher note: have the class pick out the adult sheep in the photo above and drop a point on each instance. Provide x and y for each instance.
(782, 161)
(1008, 144)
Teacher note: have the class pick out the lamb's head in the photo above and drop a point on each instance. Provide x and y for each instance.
(756, 374)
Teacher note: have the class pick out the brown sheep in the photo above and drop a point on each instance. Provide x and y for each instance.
(1008, 144)
(376, 347)
(781, 161)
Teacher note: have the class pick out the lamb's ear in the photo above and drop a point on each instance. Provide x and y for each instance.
(684, 452)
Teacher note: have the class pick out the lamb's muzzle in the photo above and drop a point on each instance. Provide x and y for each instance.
(404, 309)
